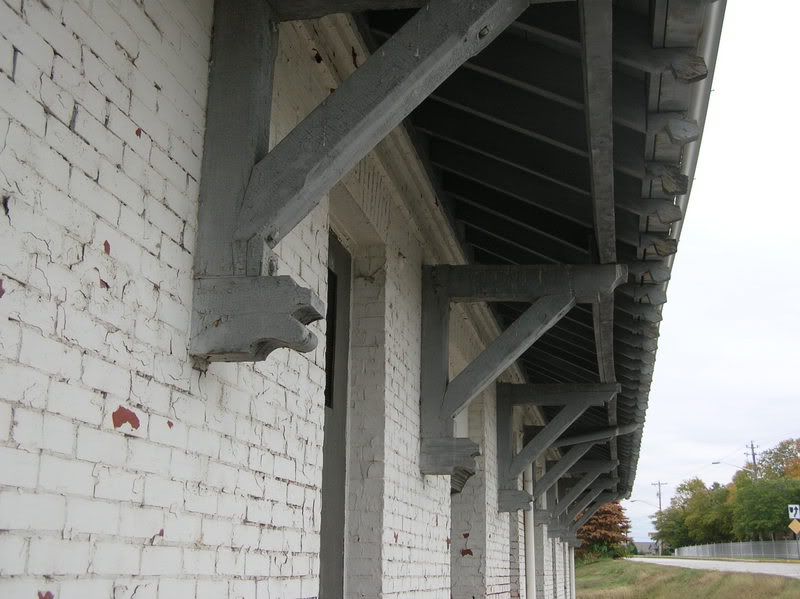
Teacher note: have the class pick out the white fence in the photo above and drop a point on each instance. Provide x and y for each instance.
(748, 549)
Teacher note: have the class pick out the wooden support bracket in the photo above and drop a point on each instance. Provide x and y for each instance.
(238, 314)
(584, 483)
(651, 271)
(575, 399)
(559, 469)
(582, 503)
(552, 290)
(251, 196)
(666, 179)
(591, 510)
(290, 181)
(597, 436)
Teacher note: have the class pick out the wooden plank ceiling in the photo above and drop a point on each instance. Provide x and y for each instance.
(511, 138)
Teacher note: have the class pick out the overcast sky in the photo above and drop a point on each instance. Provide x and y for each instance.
(728, 367)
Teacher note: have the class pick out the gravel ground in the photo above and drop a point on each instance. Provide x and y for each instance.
(789, 570)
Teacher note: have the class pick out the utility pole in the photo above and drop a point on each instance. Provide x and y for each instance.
(752, 447)
(659, 484)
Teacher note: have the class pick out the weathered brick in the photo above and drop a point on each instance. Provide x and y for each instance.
(72, 147)
(95, 132)
(30, 43)
(61, 475)
(162, 492)
(141, 523)
(98, 374)
(57, 556)
(115, 558)
(119, 485)
(157, 561)
(101, 447)
(20, 467)
(46, 24)
(13, 555)
(29, 511)
(91, 516)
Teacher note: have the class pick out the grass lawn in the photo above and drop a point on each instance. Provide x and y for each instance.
(618, 579)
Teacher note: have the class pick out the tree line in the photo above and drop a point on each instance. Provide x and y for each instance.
(752, 507)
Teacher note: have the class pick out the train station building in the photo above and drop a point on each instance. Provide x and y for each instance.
(332, 298)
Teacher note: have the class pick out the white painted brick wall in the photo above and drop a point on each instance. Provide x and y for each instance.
(126, 472)
(108, 439)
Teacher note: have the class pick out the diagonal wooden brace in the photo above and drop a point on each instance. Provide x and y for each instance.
(551, 477)
(591, 510)
(584, 483)
(536, 447)
(504, 351)
(553, 291)
(581, 504)
(290, 181)
(510, 465)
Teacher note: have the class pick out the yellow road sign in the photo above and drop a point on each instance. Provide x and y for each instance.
(795, 526)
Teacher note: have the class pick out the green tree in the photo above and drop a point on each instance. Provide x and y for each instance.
(709, 515)
(671, 530)
(671, 526)
(759, 508)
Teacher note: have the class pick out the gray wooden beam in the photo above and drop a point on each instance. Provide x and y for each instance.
(582, 503)
(637, 341)
(509, 497)
(597, 436)
(653, 271)
(646, 312)
(504, 350)
(658, 245)
(482, 283)
(236, 317)
(666, 211)
(244, 319)
(547, 122)
(650, 294)
(639, 355)
(587, 465)
(584, 483)
(296, 10)
(440, 452)
(596, 21)
(637, 327)
(237, 126)
(666, 179)
(510, 466)
(592, 509)
(558, 394)
(680, 129)
(553, 291)
(596, 24)
(632, 48)
(603, 321)
(534, 449)
(290, 181)
(558, 470)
